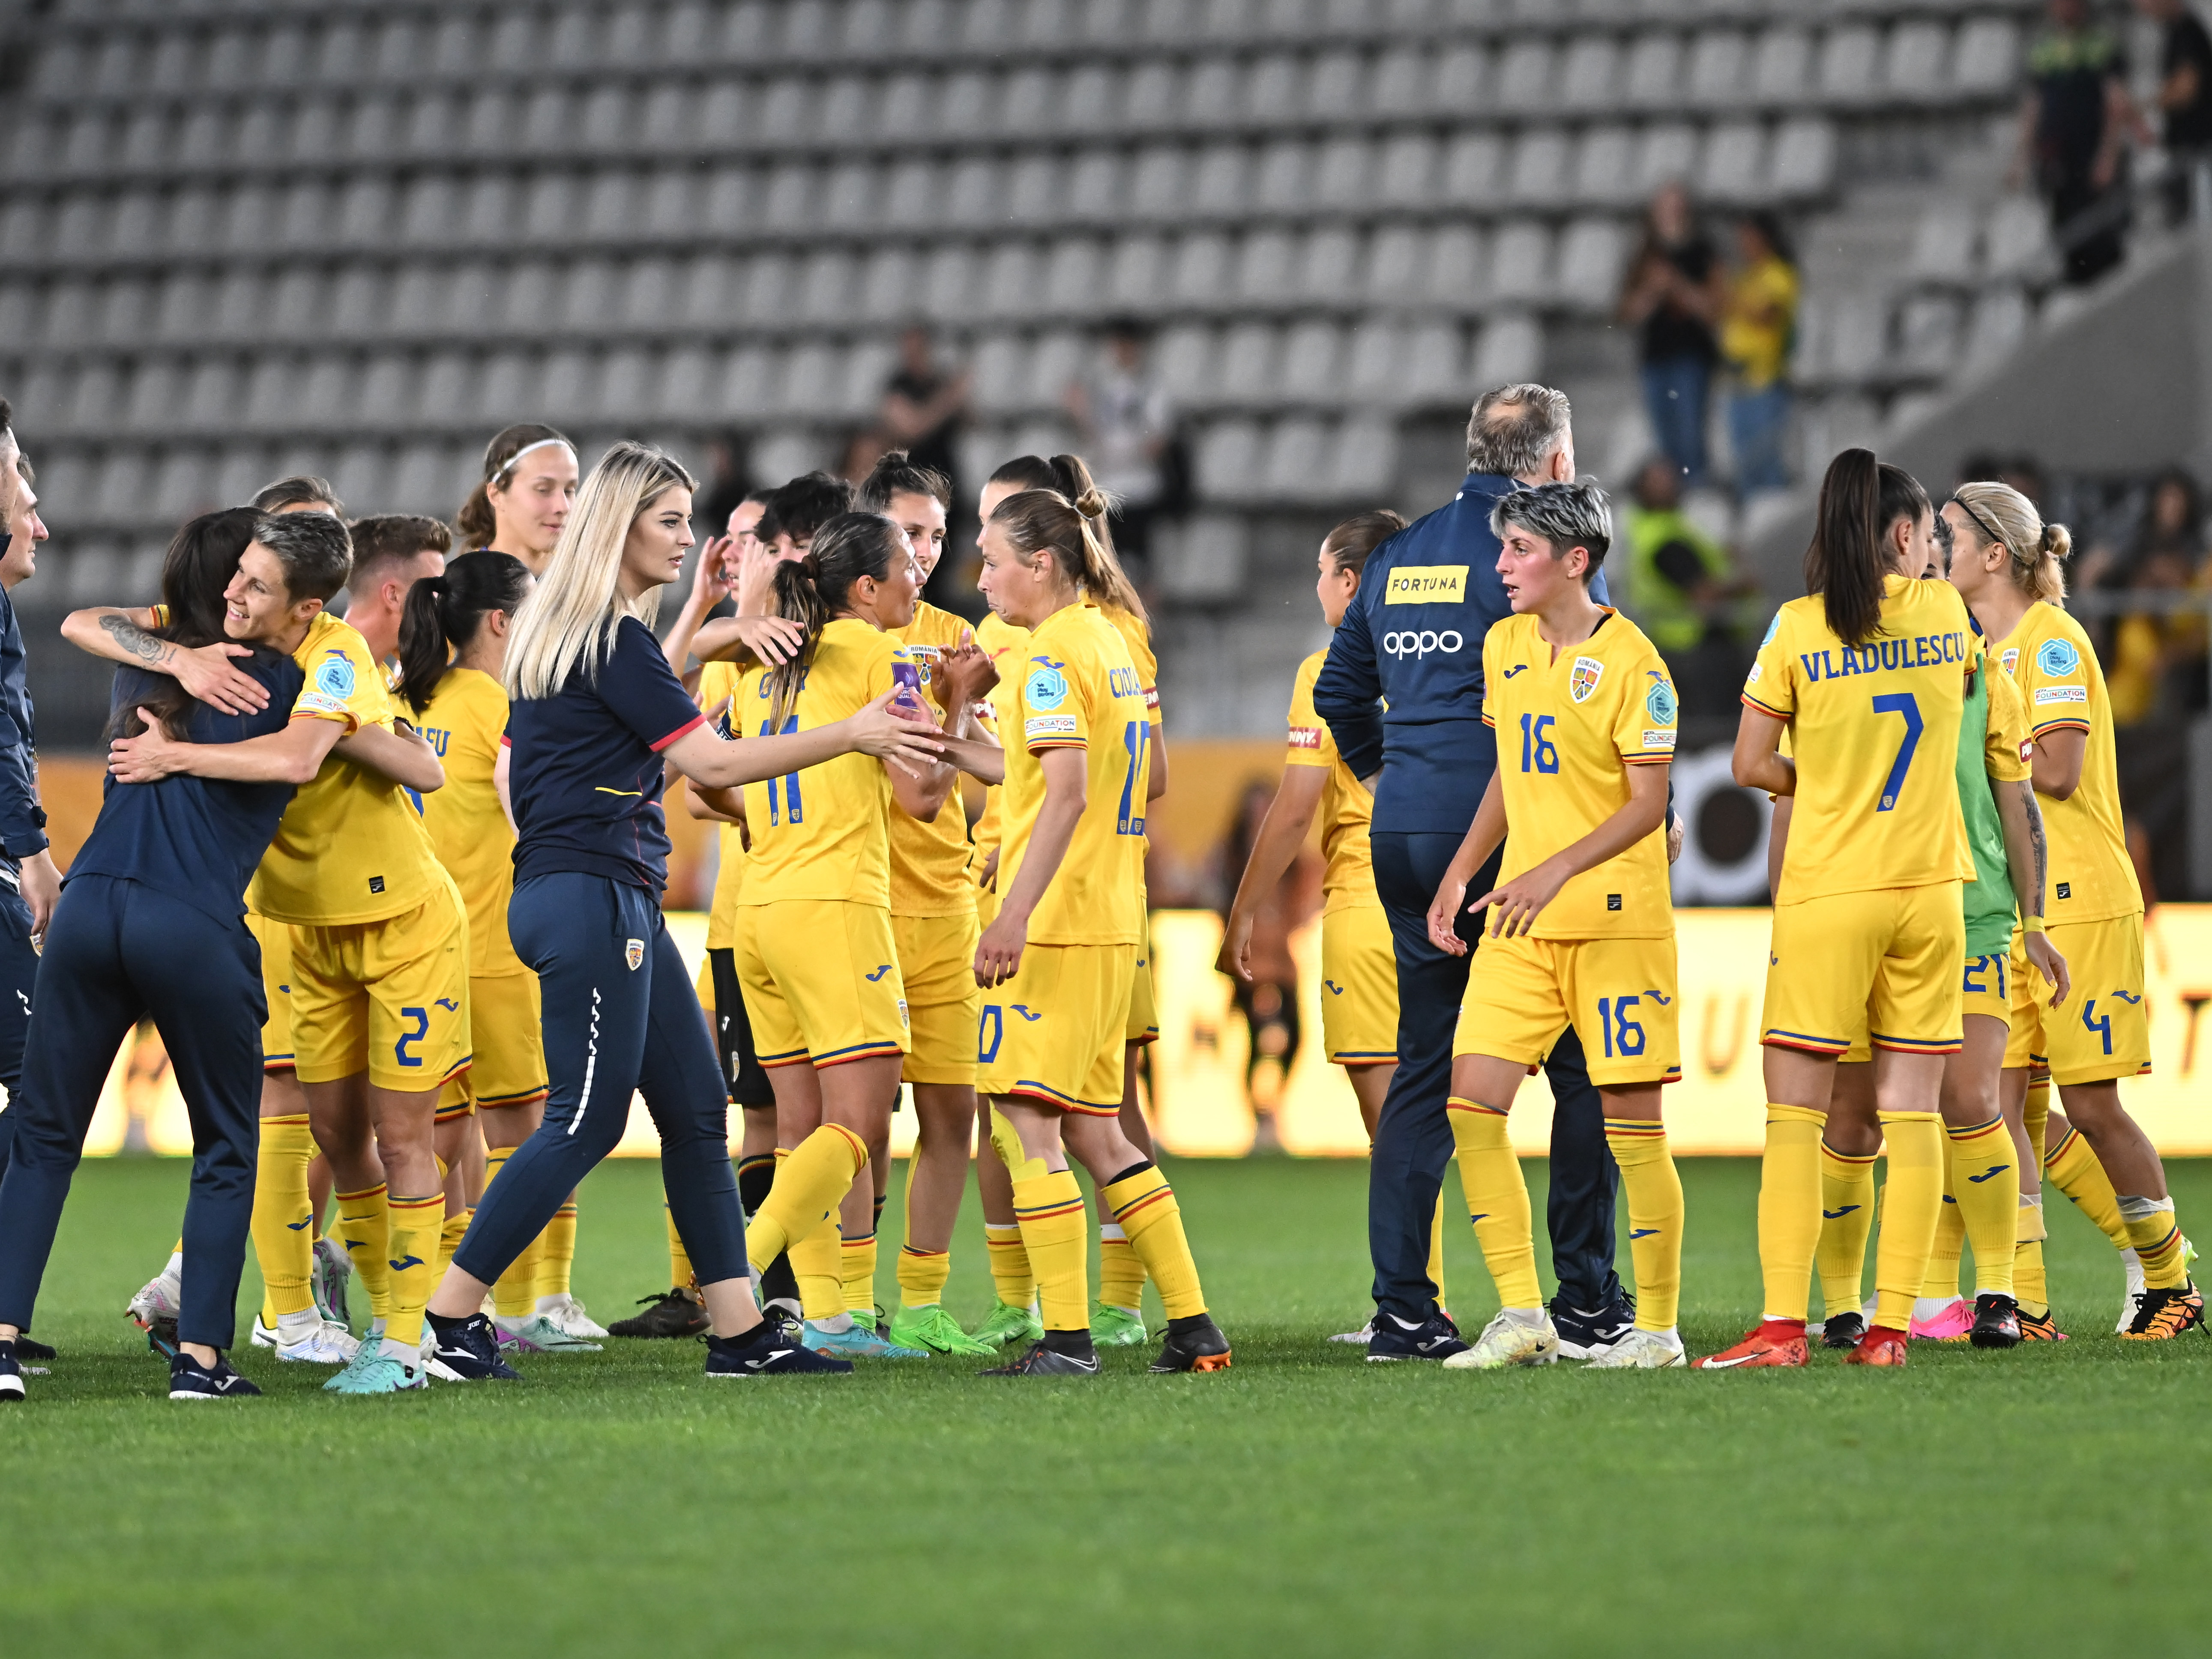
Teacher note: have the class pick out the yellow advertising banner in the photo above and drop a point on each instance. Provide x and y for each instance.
(1202, 1108)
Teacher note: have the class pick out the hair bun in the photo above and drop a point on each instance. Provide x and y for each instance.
(1091, 503)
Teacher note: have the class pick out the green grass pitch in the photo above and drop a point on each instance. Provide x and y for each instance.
(2050, 1499)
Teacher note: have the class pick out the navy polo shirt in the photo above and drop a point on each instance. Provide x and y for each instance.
(584, 769)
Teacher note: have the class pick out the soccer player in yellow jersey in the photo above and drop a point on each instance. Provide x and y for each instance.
(2006, 562)
(933, 924)
(1359, 974)
(1868, 675)
(1583, 928)
(814, 943)
(1057, 961)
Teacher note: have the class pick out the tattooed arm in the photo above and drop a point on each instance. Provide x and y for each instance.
(125, 637)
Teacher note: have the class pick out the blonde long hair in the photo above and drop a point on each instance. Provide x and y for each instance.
(2035, 550)
(571, 616)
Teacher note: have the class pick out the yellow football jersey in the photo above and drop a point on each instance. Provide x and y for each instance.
(822, 832)
(2049, 659)
(351, 847)
(1078, 690)
(929, 861)
(1347, 810)
(1005, 642)
(464, 721)
(718, 681)
(1569, 723)
(1874, 730)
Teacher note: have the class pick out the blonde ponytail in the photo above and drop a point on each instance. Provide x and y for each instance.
(2035, 552)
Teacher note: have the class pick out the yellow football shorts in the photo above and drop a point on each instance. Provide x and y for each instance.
(1359, 987)
(1885, 962)
(1619, 993)
(2031, 993)
(1985, 988)
(275, 938)
(390, 998)
(821, 981)
(505, 1020)
(987, 907)
(1143, 1024)
(2101, 1031)
(937, 960)
(1055, 1032)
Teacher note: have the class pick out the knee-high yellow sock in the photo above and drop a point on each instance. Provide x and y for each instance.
(1011, 1272)
(2029, 1285)
(1910, 1204)
(1655, 1217)
(414, 1228)
(680, 1276)
(2157, 1241)
(1145, 1206)
(856, 1268)
(1436, 1249)
(1050, 1207)
(2072, 1167)
(1788, 1210)
(1496, 1201)
(1939, 1279)
(1846, 1219)
(1985, 1180)
(449, 1239)
(365, 1230)
(559, 1258)
(1120, 1269)
(817, 1262)
(515, 1293)
(280, 1220)
(809, 1185)
(2035, 1116)
(922, 1276)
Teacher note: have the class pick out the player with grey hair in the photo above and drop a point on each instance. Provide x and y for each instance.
(1567, 515)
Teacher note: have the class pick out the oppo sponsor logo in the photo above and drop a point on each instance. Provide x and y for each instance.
(1419, 643)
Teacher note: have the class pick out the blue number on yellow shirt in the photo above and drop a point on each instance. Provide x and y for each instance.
(1535, 742)
(422, 1019)
(1136, 740)
(1905, 703)
(1623, 1035)
(2101, 1024)
(789, 779)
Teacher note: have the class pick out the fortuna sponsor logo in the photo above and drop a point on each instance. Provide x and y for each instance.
(2061, 694)
(1412, 644)
(1425, 584)
(1922, 650)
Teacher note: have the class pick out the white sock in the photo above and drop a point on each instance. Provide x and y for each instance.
(407, 1353)
(294, 1327)
(547, 1305)
(836, 1327)
(1927, 1307)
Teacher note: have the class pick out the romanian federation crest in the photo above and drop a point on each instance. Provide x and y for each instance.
(1588, 671)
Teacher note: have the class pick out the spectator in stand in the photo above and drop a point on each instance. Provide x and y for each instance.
(2074, 126)
(1673, 295)
(1126, 421)
(2155, 669)
(2184, 99)
(1683, 590)
(1759, 328)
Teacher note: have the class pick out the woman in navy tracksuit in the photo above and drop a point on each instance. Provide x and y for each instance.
(594, 709)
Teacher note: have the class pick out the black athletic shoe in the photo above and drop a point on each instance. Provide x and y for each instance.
(1200, 1347)
(1437, 1338)
(1843, 1330)
(1041, 1361)
(674, 1314)
(1996, 1321)
(1584, 1333)
(11, 1374)
(466, 1351)
(190, 1380)
(769, 1349)
(27, 1349)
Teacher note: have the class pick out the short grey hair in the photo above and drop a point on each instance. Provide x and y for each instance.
(1514, 428)
(1567, 515)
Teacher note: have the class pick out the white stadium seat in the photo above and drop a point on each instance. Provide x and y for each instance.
(1720, 60)
(1312, 355)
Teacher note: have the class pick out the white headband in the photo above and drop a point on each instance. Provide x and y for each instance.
(515, 460)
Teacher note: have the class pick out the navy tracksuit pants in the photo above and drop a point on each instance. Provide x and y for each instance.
(19, 972)
(1414, 1139)
(117, 952)
(620, 1015)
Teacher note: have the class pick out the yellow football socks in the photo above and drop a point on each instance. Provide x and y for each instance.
(1144, 1205)
(809, 1186)
(1655, 1217)
(413, 1229)
(680, 1275)
(456, 1228)
(1985, 1181)
(856, 1267)
(1496, 1201)
(515, 1293)
(2072, 1167)
(2157, 1241)
(1010, 1265)
(1939, 1279)
(1846, 1219)
(559, 1261)
(280, 1229)
(1050, 1208)
(1788, 1209)
(1120, 1269)
(922, 1276)
(2029, 1285)
(364, 1229)
(1912, 1200)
